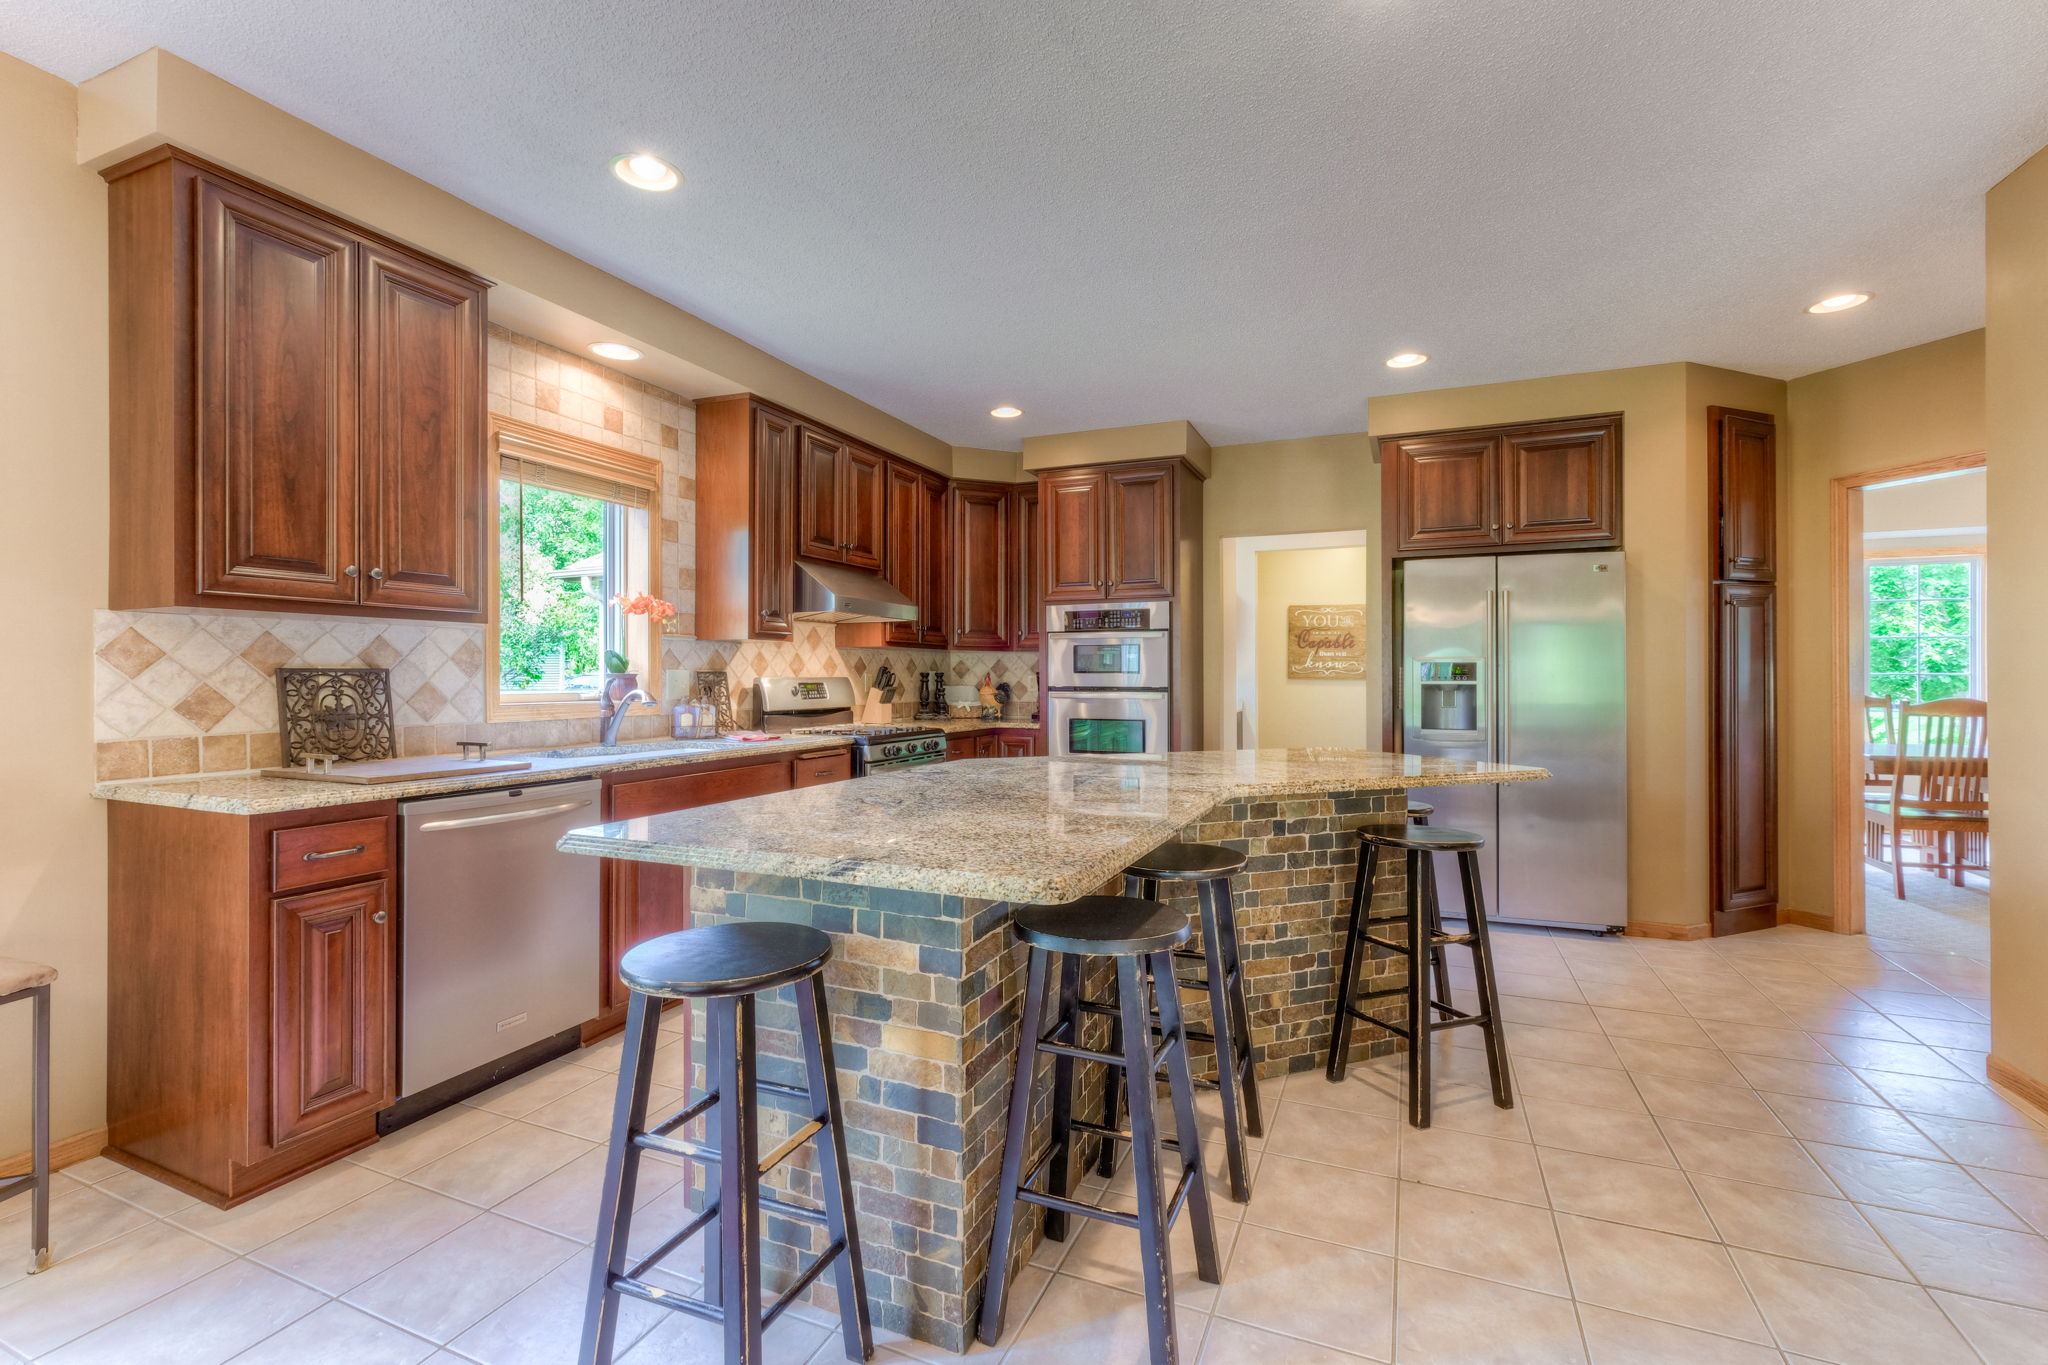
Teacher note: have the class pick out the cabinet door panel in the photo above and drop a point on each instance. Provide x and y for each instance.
(981, 558)
(773, 516)
(1743, 450)
(331, 1001)
(1560, 487)
(820, 498)
(1075, 509)
(1141, 526)
(906, 546)
(1745, 770)
(276, 383)
(1027, 568)
(1445, 492)
(421, 428)
(861, 514)
(935, 602)
(1018, 745)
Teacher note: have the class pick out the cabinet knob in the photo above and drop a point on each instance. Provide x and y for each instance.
(376, 573)
(379, 917)
(349, 572)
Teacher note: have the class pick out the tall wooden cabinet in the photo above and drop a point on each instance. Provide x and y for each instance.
(1527, 486)
(297, 405)
(1742, 481)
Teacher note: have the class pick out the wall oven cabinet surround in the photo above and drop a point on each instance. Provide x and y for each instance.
(297, 405)
(1529, 486)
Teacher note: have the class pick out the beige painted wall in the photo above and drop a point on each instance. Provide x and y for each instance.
(1958, 502)
(1890, 410)
(1271, 488)
(2016, 427)
(53, 556)
(1299, 713)
(1664, 533)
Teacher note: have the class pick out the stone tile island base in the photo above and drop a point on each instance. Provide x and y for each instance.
(924, 991)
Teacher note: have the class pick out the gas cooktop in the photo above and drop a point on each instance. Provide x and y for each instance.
(871, 731)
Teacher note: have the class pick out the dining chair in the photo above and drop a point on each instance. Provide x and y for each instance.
(1880, 727)
(1941, 749)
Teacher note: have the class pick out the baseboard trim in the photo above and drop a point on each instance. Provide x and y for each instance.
(1651, 929)
(1807, 919)
(2004, 1074)
(63, 1152)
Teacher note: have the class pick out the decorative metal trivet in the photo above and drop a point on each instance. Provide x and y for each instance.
(711, 685)
(345, 712)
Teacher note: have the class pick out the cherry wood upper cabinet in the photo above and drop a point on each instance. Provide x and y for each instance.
(746, 519)
(840, 497)
(1534, 485)
(1743, 449)
(1074, 504)
(981, 566)
(1027, 568)
(933, 602)
(333, 1002)
(862, 513)
(914, 559)
(420, 424)
(1140, 530)
(297, 405)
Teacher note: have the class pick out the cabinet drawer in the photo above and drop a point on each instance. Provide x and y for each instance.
(313, 854)
(657, 795)
(832, 765)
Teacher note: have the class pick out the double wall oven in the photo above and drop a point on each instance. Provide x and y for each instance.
(1109, 669)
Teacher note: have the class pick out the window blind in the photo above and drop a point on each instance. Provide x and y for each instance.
(540, 473)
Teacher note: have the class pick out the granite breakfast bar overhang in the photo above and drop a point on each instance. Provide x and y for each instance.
(913, 872)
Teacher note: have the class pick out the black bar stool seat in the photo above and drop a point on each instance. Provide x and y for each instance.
(1429, 1011)
(1178, 862)
(1420, 811)
(727, 966)
(1140, 935)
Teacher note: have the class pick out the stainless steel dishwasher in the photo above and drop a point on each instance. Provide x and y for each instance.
(500, 929)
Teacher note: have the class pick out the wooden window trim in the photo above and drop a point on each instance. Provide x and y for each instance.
(509, 435)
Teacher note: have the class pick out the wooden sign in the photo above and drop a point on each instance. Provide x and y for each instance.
(1326, 642)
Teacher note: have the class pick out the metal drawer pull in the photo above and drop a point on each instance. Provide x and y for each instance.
(333, 853)
(502, 817)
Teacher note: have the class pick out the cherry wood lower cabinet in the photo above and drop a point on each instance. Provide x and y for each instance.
(1006, 742)
(251, 991)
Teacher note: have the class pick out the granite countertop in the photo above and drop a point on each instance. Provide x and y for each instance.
(1006, 829)
(251, 793)
(966, 727)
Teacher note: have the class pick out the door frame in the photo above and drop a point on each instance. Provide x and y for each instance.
(1845, 558)
(1238, 572)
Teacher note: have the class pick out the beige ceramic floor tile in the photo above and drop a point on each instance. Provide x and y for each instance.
(1755, 1040)
(1645, 996)
(523, 1094)
(2026, 1195)
(1469, 1108)
(205, 1322)
(1804, 1226)
(340, 1250)
(1335, 1203)
(1494, 1239)
(1600, 1132)
(1623, 1339)
(1676, 1059)
(338, 1335)
(1565, 1014)
(1078, 1322)
(1331, 1294)
(1652, 1028)
(82, 1216)
(1949, 1033)
(1912, 1004)
(1448, 1319)
(449, 1285)
(1658, 1275)
(1870, 1054)
(1108, 1254)
(1992, 1263)
(1840, 1316)
(1365, 1089)
(285, 1209)
(564, 1202)
(500, 1164)
(1478, 1165)
(151, 1196)
(1730, 1106)
(1595, 1085)
(1940, 1188)
(1341, 1137)
(544, 1321)
(1235, 1343)
(1738, 1154)
(1997, 1145)
(1815, 1080)
(2002, 1334)
(1658, 1197)
(41, 1312)
(431, 1138)
(1881, 1128)
(681, 1340)
(587, 1112)
(1949, 1099)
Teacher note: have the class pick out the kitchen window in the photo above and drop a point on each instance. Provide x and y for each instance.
(1925, 620)
(575, 530)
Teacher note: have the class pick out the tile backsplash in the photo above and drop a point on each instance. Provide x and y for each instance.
(179, 692)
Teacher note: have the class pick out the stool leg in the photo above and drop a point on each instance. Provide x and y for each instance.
(841, 1223)
(1240, 1016)
(1354, 950)
(1420, 1013)
(714, 1288)
(739, 1181)
(995, 1298)
(1155, 1255)
(1482, 971)
(621, 1177)
(1057, 1176)
(1226, 1027)
(1112, 1078)
(1180, 1088)
(39, 1137)
(1439, 966)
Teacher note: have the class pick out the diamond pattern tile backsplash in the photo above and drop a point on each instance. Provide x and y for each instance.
(179, 692)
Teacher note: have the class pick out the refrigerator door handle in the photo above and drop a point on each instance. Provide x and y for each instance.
(1505, 744)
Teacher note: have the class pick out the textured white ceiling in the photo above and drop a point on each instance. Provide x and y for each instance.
(1111, 212)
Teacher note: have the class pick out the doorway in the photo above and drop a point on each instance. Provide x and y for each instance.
(1300, 651)
(1910, 560)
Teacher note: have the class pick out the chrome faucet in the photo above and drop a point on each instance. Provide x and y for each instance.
(611, 712)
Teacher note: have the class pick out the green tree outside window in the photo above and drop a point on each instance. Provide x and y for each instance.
(1921, 620)
(543, 617)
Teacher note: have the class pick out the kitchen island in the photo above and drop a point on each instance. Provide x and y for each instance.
(913, 873)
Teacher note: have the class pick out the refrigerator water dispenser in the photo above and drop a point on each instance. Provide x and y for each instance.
(1449, 693)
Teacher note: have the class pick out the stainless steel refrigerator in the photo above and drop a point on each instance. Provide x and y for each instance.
(1522, 659)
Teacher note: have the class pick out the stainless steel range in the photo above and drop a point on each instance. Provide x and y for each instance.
(824, 706)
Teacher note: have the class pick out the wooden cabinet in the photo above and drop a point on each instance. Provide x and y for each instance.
(980, 552)
(1027, 568)
(1538, 485)
(332, 1008)
(1743, 762)
(1139, 560)
(1075, 507)
(839, 499)
(1745, 489)
(297, 405)
(1018, 743)
(1111, 532)
(915, 559)
(815, 770)
(746, 519)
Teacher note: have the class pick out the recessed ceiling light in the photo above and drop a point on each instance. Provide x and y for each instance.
(1838, 302)
(614, 350)
(1006, 411)
(644, 171)
(1406, 360)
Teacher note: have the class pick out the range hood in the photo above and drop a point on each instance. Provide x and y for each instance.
(833, 592)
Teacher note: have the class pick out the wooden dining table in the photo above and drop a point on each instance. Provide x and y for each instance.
(1880, 759)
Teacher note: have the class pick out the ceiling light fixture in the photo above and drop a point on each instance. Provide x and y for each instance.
(1838, 303)
(645, 171)
(614, 350)
(1406, 360)
(1006, 411)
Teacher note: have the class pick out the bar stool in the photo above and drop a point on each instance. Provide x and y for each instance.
(1426, 1015)
(1418, 814)
(1141, 935)
(1210, 867)
(30, 981)
(727, 966)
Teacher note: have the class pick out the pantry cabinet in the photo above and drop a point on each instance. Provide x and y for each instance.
(297, 405)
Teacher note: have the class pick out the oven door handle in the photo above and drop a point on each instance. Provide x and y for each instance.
(1110, 634)
(1108, 693)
